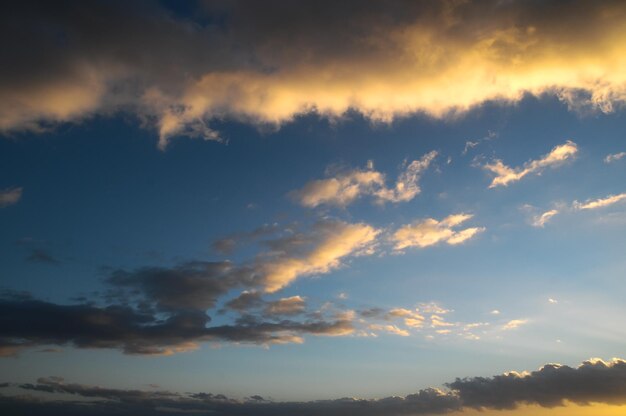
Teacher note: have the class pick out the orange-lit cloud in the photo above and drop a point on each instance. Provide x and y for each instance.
(345, 187)
(429, 232)
(269, 64)
(505, 174)
(334, 241)
(600, 203)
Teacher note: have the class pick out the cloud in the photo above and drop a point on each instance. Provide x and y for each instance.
(292, 305)
(429, 232)
(506, 175)
(514, 324)
(249, 301)
(10, 196)
(198, 284)
(594, 381)
(599, 203)
(327, 244)
(344, 188)
(41, 256)
(541, 220)
(227, 245)
(267, 65)
(194, 285)
(614, 157)
(30, 323)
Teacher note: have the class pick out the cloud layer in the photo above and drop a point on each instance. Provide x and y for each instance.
(177, 72)
(594, 381)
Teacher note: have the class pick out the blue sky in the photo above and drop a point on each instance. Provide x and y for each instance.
(185, 232)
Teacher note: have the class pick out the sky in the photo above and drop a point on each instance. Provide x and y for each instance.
(313, 208)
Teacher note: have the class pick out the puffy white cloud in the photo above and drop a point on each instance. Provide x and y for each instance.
(506, 175)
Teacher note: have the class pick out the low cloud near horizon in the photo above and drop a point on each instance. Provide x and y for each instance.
(553, 385)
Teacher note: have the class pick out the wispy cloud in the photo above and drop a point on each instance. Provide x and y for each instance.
(514, 324)
(10, 196)
(344, 188)
(428, 232)
(614, 157)
(542, 219)
(506, 175)
(599, 203)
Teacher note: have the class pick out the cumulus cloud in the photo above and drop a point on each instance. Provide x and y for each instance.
(614, 157)
(506, 175)
(344, 188)
(594, 381)
(267, 64)
(542, 219)
(10, 196)
(430, 231)
(599, 203)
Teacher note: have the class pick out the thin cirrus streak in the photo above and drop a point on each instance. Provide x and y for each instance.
(414, 57)
(599, 203)
(506, 175)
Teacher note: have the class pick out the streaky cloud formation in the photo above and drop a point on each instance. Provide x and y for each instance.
(553, 385)
(506, 175)
(321, 252)
(344, 188)
(10, 196)
(600, 203)
(268, 64)
(428, 232)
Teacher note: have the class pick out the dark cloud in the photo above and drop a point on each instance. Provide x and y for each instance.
(229, 243)
(248, 301)
(41, 256)
(552, 385)
(194, 285)
(428, 401)
(26, 323)
(592, 381)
